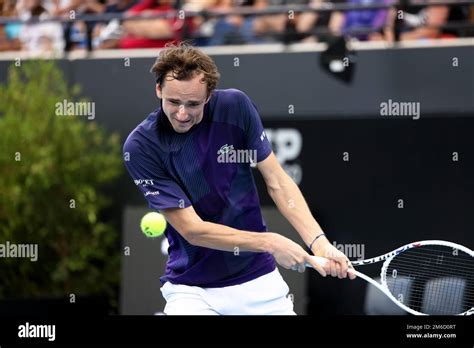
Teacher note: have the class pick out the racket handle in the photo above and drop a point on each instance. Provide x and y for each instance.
(322, 262)
(319, 260)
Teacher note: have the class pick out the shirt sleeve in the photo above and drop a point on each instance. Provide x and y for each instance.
(158, 188)
(256, 138)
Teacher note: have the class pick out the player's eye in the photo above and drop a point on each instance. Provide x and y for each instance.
(174, 102)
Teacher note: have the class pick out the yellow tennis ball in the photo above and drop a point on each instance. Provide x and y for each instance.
(153, 224)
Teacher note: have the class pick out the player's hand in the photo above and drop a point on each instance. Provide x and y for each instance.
(290, 255)
(338, 264)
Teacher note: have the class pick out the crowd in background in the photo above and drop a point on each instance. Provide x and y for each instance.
(39, 36)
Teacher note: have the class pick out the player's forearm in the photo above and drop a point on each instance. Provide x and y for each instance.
(291, 203)
(221, 237)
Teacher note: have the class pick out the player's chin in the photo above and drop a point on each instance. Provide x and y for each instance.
(181, 127)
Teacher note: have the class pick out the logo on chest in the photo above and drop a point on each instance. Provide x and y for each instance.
(225, 149)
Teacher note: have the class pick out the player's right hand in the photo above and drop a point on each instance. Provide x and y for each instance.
(290, 255)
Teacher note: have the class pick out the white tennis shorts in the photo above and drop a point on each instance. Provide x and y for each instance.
(265, 295)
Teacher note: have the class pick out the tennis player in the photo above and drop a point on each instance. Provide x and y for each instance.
(192, 159)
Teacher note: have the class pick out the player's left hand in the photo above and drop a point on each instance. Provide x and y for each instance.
(338, 262)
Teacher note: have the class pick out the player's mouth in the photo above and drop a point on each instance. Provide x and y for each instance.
(183, 122)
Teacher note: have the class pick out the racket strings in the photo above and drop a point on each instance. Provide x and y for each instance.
(435, 279)
(408, 262)
(409, 267)
(449, 250)
(458, 261)
(426, 276)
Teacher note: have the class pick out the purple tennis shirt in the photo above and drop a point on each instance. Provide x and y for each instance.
(209, 168)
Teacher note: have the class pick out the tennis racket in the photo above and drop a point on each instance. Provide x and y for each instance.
(431, 277)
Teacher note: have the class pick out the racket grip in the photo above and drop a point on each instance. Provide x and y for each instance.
(319, 260)
(322, 262)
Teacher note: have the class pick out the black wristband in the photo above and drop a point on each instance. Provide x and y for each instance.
(314, 240)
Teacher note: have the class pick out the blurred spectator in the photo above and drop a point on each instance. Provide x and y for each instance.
(228, 30)
(307, 22)
(374, 19)
(7, 8)
(107, 35)
(198, 5)
(119, 6)
(8, 43)
(236, 29)
(424, 22)
(342, 23)
(204, 27)
(458, 13)
(77, 34)
(420, 23)
(39, 37)
(470, 16)
(268, 28)
(9, 33)
(150, 33)
(417, 23)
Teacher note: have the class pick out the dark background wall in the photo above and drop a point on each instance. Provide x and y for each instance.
(124, 93)
(355, 201)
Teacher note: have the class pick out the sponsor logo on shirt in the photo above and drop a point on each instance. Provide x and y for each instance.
(144, 182)
(154, 193)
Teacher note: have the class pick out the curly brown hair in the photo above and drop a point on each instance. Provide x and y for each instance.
(184, 62)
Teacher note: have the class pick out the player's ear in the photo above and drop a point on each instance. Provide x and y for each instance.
(158, 91)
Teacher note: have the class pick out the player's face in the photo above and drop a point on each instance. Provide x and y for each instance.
(183, 101)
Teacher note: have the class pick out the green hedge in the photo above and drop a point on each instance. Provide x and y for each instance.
(48, 165)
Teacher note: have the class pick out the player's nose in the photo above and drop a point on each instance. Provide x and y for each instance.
(181, 115)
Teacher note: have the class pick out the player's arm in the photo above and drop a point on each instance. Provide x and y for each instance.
(291, 203)
(216, 236)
